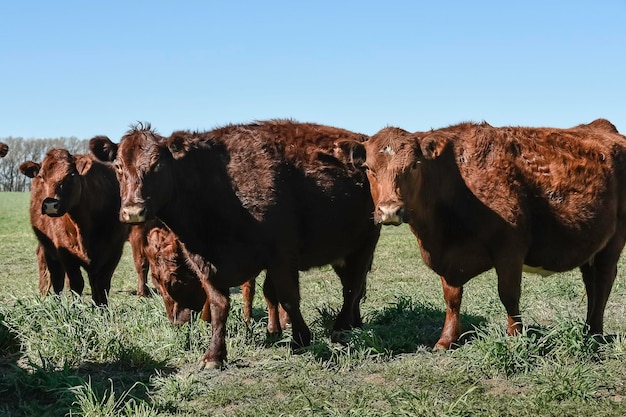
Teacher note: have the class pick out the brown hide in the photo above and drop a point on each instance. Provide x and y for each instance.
(276, 195)
(479, 197)
(4, 148)
(85, 231)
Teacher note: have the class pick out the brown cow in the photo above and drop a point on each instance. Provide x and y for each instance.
(74, 211)
(176, 274)
(478, 197)
(269, 195)
(4, 148)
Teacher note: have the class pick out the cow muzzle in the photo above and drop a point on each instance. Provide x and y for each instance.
(133, 214)
(390, 214)
(50, 207)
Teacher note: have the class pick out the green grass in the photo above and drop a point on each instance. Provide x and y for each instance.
(63, 356)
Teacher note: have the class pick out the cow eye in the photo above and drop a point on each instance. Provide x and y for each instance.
(159, 166)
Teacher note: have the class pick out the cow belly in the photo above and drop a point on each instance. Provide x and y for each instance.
(565, 251)
(458, 263)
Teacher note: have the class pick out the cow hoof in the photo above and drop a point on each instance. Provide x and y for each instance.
(440, 347)
(340, 336)
(211, 365)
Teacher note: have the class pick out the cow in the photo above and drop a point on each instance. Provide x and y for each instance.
(270, 195)
(4, 148)
(479, 197)
(177, 274)
(74, 213)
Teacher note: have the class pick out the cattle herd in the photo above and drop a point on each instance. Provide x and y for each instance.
(207, 211)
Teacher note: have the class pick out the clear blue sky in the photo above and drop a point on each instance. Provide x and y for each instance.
(85, 68)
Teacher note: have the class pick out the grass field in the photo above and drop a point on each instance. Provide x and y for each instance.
(63, 356)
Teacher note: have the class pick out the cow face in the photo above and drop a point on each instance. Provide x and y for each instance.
(396, 165)
(388, 155)
(58, 177)
(180, 288)
(143, 167)
(3, 149)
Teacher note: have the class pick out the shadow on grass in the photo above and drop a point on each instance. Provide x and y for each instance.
(405, 326)
(39, 390)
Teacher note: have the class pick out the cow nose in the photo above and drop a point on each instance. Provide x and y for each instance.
(391, 213)
(50, 206)
(133, 214)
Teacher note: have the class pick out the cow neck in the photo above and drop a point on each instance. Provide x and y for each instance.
(204, 193)
(95, 206)
(428, 194)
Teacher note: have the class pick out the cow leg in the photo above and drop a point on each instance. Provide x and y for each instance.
(100, 282)
(452, 295)
(206, 308)
(219, 305)
(98, 293)
(353, 274)
(136, 240)
(284, 278)
(283, 317)
(45, 272)
(277, 317)
(247, 293)
(75, 277)
(509, 289)
(598, 276)
(271, 299)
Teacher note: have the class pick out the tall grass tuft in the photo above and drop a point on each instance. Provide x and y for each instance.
(493, 353)
(90, 403)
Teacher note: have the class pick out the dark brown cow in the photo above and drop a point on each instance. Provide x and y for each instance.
(176, 274)
(4, 148)
(74, 211)
(478, 197)
(269, 195)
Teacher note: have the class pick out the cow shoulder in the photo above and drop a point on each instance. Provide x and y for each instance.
(602, 125)
(484, 161)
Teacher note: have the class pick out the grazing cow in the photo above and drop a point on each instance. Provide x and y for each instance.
(478, 197)
(271, 195)
(74, 212)
(4, 148)
(176, 274)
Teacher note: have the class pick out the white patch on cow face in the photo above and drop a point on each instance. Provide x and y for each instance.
(388, 150)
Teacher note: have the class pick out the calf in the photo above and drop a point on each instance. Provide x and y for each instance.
(478, 197)
(74, 208)
(271, 195)
(4, 148)
(176, 274)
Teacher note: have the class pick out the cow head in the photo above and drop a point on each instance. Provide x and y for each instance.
(180, 288)
(394, 160)
(3, 149)
(143, 167)
(58, 177)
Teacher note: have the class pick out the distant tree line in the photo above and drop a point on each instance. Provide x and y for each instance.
(21, 150)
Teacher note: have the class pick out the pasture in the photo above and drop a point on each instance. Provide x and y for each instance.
(64, 356)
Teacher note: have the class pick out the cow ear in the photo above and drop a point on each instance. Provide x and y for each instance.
(350, 152)
(103, 148)
(178, 145)
(433, 145)
(83, 164)
(30, 169)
